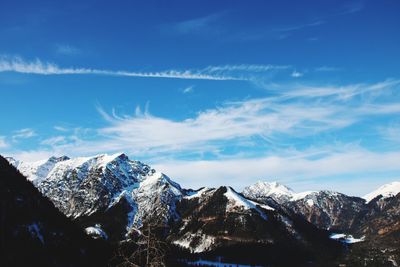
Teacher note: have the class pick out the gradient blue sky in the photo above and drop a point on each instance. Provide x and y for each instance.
(210, 92)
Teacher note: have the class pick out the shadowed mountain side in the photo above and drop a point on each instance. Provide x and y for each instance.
(34, 233)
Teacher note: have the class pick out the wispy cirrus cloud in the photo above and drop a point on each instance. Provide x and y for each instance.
(246, 67)
(327, 69)
(188, 90)
(334, 92)
(60, 128)
(294, 114)
(68, 50)
(23, 134)
(229, 125)
(197, 25)
(239, 72)
(299, 26)
(391, 133)
(19, 65)
(352, 7)
(53, 141)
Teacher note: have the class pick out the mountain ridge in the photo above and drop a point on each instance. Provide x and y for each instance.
(112, 197)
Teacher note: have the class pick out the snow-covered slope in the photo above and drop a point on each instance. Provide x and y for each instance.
(36, 171)
(387, 190)
(238, 202)
(86, 186)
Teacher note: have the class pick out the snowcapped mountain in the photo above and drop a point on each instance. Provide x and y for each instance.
(372, 220)
(214, 218)
(382, 217)
(111, 197)
(217, 216)
(325, 209)
(274, 190)
(88, 186)
(385, 191)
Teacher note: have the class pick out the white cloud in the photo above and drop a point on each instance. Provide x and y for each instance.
(300, 26)
(60, 128)
(188, 89)
(391, 133)
(327, 69)
(347, 92)
(56, 140)
(24, 134)
(273, 125)
(213, 129)
(246, 67)
(269, 121)
(296, 74)
(204, 25)
(265, 123)
(66, 49)
(31, 155)
(3, 143)
(302, 170)
(301, 173)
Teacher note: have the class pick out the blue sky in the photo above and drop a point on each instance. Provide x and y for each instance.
(211, 93)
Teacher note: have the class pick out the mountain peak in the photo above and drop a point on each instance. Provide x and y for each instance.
(387, 190)
(12, 161)
(106, 158)
(266, 189)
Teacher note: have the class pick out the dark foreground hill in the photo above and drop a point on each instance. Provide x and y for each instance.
(34, 233)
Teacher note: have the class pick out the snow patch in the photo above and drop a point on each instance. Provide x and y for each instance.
(264, 206)
(310, 202)
(34, 229)
(202, 242)
(96, 232)
(348, 239)
(197, 194)
(302, 195)
(237, 201)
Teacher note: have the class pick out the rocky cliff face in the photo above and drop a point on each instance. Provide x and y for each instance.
(379, 224)
(374, 220)
(328, 210)
(325, 209)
